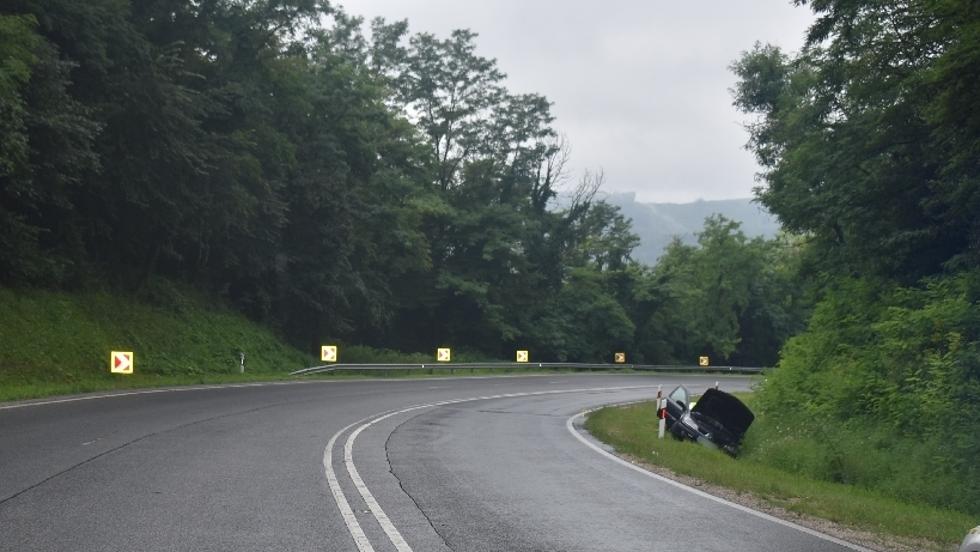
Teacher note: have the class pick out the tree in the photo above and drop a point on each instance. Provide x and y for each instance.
(734, 299)
(867, 139)
(46, 141)
(869, 142)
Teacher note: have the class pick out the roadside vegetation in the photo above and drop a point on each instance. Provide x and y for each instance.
(632, 430)
(56, 343)
(868, 141)
(384, 188)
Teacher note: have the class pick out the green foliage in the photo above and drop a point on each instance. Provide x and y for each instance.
(594, 322)
(869, 137)
(897, 369)
(869, 146)
(370, 355)
(731, 298)
(791, 475)
(389, 192)
(17, 45)
(57, 342)
(45, 146)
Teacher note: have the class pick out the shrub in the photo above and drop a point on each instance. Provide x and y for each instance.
(881, 391)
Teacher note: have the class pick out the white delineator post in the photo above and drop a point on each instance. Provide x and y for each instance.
(661, 413)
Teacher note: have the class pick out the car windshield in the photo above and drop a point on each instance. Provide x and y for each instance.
(679, 395)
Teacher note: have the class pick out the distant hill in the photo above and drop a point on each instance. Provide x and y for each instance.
(658, 223)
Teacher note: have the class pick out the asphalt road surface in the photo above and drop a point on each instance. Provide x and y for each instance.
(464, 464)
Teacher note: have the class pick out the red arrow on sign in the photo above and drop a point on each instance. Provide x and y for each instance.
(122, 362)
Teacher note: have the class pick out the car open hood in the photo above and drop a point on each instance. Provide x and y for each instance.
(726, 410)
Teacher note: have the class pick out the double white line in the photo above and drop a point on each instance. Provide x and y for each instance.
(354, 526)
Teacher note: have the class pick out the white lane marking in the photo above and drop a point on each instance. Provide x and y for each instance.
(364, 380)
(569, 424)
(380, 516)
(353, 527)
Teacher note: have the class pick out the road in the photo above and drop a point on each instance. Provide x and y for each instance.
(462, 464)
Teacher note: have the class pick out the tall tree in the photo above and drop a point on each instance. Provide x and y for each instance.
(867, 138)
(46, 139)
(732, 298)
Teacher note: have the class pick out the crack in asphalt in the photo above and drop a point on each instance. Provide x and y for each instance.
(133, 442)
(530, 414)
(402, 486)
(495, 411)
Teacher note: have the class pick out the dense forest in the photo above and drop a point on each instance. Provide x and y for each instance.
(380, 188)
(869, 140)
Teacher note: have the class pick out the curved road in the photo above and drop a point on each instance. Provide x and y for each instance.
(462, 464)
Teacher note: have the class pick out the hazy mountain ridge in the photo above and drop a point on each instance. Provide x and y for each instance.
(658, 223)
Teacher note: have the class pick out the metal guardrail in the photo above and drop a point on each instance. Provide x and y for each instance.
(330, 368)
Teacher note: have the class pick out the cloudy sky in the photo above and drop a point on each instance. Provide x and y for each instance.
(640, 87)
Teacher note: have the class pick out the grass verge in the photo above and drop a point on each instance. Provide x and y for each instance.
(631, 430)
(58, 343)
(55, 342)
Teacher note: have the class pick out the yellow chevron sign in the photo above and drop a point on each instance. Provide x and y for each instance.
(121, 362)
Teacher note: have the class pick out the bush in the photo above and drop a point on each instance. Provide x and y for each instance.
(880, 391)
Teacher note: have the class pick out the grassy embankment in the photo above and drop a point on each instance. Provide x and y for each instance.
(54, 343)
(632, 431)
(57, 343)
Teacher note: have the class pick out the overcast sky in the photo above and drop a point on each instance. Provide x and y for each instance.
(640, 87)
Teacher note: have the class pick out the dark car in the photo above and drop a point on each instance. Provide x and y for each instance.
(718, 419)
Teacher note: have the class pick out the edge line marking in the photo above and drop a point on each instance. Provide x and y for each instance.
(569, 425)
